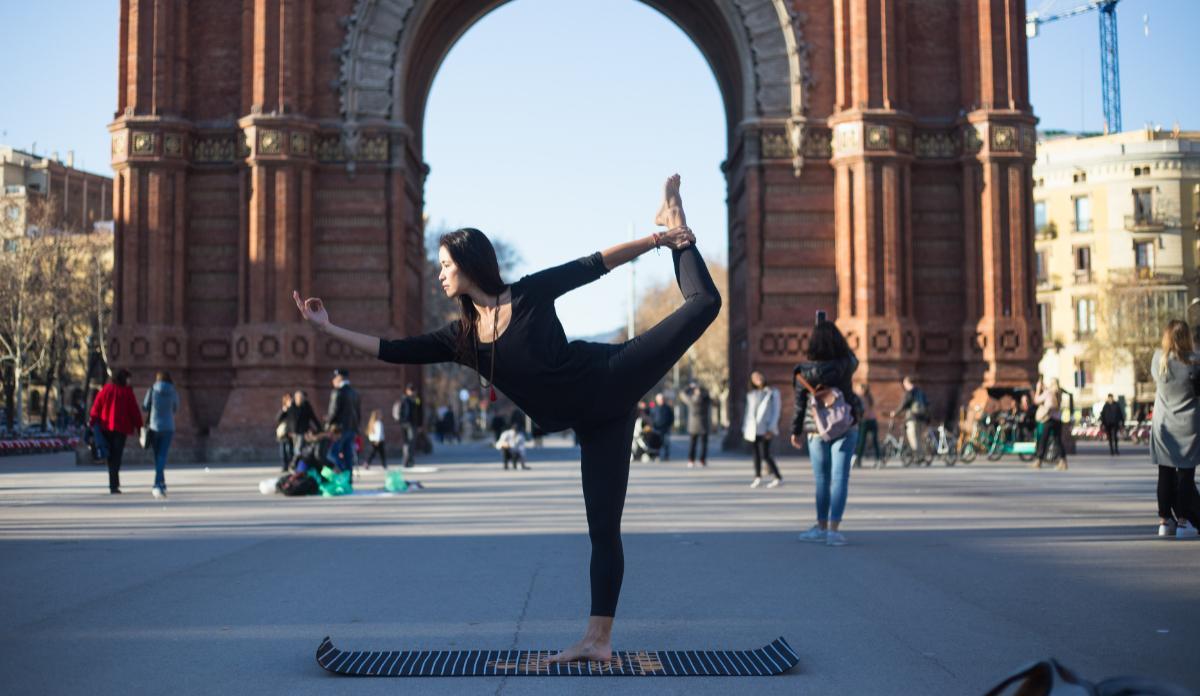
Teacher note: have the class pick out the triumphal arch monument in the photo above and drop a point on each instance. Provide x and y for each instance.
(878, 166)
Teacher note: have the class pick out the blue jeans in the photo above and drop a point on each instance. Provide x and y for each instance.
(831, 472)
(161, 441)
(342, 451)
(100, 441)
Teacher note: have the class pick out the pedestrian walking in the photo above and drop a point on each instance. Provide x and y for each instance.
(116, 412)
(161, 402)
(1112, 419)
(868, 426)
(1175, 431)
(699, 421)
(407, 412)
(1048, 397)
(827, 413)
(760, 425)
(375, 438)
(662, 418)
(915, 408)
(344, 412)
(512, 337)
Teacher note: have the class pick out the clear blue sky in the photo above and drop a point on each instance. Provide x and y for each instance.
(543, 130)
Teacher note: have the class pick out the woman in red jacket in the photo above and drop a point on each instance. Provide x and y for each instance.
(116, 411)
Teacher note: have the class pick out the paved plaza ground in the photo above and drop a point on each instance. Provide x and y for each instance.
(954, 577)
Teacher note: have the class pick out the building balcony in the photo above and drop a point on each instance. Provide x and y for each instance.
(1045, 233)
(1148, 274)
(1145, 223)
(1049, 282)
(1081, 226)
(1083, 277)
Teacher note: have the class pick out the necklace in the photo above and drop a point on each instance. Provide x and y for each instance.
(489, 383)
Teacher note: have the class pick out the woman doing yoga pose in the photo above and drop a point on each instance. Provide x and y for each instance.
(512, 336)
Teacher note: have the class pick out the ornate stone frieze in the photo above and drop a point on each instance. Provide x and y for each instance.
(936, 144)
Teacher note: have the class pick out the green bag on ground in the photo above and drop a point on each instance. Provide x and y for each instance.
(335, 482)
(395, 482)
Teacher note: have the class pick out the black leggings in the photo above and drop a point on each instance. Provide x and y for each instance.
(762, 451)
(702, 440)
(377, 448)
(1177, 497)
(1051, 435)
(605, 441)
(116, 450)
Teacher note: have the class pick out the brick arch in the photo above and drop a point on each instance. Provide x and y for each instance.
(393, 48)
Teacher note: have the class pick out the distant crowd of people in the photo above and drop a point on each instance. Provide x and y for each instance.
(835, 420)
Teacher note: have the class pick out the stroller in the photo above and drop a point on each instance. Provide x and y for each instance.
(646, 442)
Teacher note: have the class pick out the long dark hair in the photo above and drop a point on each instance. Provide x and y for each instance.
(475, 257)
(827, 343)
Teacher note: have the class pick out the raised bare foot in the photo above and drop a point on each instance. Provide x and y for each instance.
(586, 650)
(670, 214)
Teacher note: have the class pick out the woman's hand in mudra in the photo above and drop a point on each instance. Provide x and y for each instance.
(313, 310)
(678, 238)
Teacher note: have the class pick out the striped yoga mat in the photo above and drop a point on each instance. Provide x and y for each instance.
(776, 658)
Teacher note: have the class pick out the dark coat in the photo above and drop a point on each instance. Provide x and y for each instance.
(345, 409)
(1112, 415)
(663, 417)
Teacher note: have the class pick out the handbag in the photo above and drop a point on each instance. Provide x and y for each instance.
(831, 414)
(281, 431)
(1050, 678)
(145, 437)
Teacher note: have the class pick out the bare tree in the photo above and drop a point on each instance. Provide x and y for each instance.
(1131, 316)
(707, 361)
(27, 318)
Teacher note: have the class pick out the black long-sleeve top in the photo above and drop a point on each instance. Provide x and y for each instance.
(554, 381)
(824, 373)
(300, 419)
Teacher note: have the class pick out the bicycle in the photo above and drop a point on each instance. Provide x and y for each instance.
(893, 446)
(941, 442)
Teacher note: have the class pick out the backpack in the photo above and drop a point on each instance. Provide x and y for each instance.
(920, 406)
(831, 415)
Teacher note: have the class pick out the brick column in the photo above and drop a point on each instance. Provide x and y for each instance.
(149, 155)
(1001, 336)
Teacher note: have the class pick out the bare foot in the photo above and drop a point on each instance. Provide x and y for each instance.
(670, 214)
(586, 650)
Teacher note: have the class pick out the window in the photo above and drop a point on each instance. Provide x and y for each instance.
(1043, 310)
(14, 212)
(1083, 374)
(1141, 171)
(1085, 317)
(1083, 214)
(1079, 177)
(1143, 206)
(1143, 255)
(1043, 274)
(1083, 264)
(1039, 215)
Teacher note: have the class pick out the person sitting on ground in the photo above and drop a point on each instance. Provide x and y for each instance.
(511, 444)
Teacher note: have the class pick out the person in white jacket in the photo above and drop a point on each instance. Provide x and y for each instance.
(512, 447)
(760, 425)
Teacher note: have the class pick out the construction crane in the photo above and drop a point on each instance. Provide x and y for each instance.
(1110, 69)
